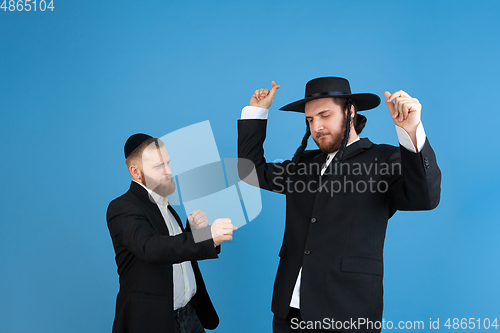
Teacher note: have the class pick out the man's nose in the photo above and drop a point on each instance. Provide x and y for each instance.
(167, 170)
(318, 125)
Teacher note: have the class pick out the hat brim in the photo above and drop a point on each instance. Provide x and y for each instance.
(363, 102)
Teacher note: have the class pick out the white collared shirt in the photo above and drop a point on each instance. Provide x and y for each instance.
(183, 274)
(253, 112)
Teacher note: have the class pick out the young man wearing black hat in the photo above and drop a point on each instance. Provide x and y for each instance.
(161, 287)
(339, 200)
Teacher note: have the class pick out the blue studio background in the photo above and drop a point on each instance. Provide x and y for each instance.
(77, 81)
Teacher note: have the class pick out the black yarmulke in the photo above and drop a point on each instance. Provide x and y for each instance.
(134, 142)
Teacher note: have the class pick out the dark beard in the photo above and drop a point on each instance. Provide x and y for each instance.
(334, 145)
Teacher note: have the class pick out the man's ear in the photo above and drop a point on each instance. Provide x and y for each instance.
(135, 172)
(353, 111)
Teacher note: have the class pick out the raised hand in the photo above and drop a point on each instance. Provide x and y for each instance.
(222, 230)
(198, 219)
(264, 98)
(405, 110)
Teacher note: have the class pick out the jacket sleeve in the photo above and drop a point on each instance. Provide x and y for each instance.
(270, 176)
(418, 183)
(130, 228)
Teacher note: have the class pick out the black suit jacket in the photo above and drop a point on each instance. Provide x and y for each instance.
(337, 234)
(144, 255)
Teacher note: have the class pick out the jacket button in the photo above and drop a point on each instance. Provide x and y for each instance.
(313, 220)
(307, 252)
(426, 163)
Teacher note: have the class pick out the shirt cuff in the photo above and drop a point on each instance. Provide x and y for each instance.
(254, 112)
(405, 140)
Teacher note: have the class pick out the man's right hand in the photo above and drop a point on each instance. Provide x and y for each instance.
(264, 98)
(222, 230)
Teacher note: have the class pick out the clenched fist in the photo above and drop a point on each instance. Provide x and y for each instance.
(222, 230)
(198, 219)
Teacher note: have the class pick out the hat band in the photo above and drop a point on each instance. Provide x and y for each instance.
(328, 93)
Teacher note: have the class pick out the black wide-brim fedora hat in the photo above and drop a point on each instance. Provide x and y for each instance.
(322, 87)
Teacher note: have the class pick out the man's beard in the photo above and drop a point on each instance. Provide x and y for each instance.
(333, 145)
(164, 188)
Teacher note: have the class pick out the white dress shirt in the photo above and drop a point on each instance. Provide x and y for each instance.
(183, 274)
(253, 112)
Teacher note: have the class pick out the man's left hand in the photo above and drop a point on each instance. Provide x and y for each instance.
(405, 110)
(198, 219)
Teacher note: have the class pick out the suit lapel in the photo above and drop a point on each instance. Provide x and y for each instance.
(351, 151)
(157, 223)
(320, 160)
(356, 148)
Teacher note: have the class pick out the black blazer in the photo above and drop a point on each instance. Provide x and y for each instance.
(144, 255)
(337, 234)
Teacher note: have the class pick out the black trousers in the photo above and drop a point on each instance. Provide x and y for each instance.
(293, 324)
(186, 320)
